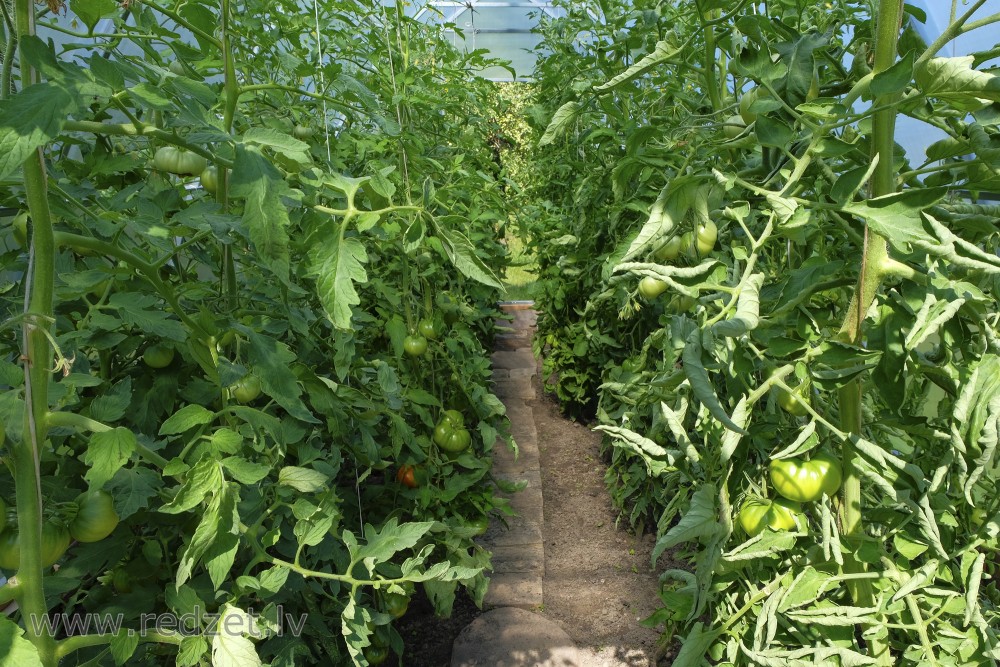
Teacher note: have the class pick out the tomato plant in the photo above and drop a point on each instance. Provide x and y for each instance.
(821, 282)
(96, 517)
(336, 218)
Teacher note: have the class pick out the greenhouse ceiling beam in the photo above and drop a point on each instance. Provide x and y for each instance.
(461, 7)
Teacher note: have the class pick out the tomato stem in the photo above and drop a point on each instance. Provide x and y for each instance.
(875, 254)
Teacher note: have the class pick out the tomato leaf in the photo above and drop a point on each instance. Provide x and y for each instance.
(17, 651)
(203, 479)
(337, 261)
(462, 254)
(701, 384)
(561, 120)
(123, 644)
(897, 217)
(700, 522)
(30, 119)
(133, 488)
(186, 418)
(747, 315)
(302, 479)
(232, 649)
(107, 452)
(255, 179)
(662, 52)
(954, 81)
(273, 361)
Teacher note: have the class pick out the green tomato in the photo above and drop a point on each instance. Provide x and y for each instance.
(21, 228)
(210, 179)
(415, 345)
(778, 514)
(177, 67)
(481, 524)
(302, 132)
(177, 161)
(793, 402)
(96, 518)
(734, 127)
(708, 233)
(687, 243)
(55, 542)
(246, 389)
(441, 433)
(396, 604)
(158, 355)
(748, 100)
(683, 303)
(458, 441)
(650, 288)
(121, 580)
(453, 417)
(669, 251)
(806, 481)
(427, 329)
(376, 655)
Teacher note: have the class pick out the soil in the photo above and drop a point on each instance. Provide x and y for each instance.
(598, 583)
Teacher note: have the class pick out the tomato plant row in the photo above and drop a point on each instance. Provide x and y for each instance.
(784, 326)
(257, 281)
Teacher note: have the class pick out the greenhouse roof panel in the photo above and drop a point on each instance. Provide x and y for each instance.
(504, 29)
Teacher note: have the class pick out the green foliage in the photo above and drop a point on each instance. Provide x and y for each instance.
(634, 152)
(353, 200)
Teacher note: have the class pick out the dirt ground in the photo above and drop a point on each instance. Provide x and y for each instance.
(598, 583)
(598, 579)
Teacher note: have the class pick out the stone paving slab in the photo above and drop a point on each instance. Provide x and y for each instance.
(509, 637)
(521, 559)
(519, 387)
(519, 358)
(526, 462)
(515, 589)
(510, 342)
(500, 374)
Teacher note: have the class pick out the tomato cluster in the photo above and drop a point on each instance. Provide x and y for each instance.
(93, 519)
(796, 481)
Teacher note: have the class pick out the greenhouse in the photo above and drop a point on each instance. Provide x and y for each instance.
(524, 333)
